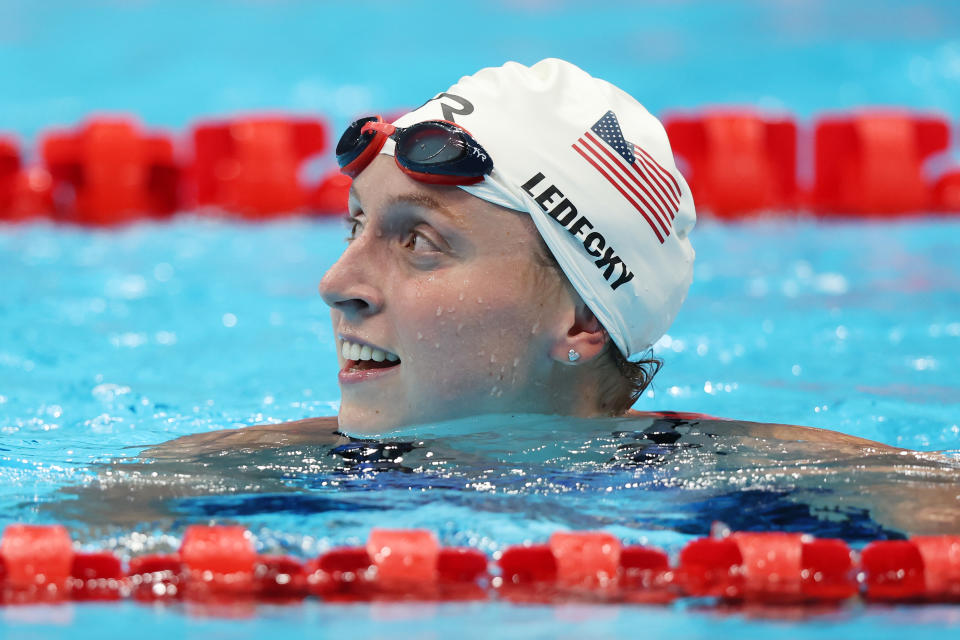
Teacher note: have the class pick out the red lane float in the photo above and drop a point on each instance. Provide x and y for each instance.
(922, 568)
(946, 192)
(37, 562)
(782, 568)
(331, 195)
(108, 171)
(585, 561)
(220, 561)
(646, 577)
(251, 166)
(462, 574)
(737, 161)
(527, 574)
(585, 565)
(872, 162)
(219, 565)
(399, 565)
(9, 169)
(97, 576)
(25, 192)
(941, 562)
(406, 562)
(157, 577)
(342, 575)
(280, 579)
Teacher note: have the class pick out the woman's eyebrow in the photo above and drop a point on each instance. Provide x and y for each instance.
(427, 202)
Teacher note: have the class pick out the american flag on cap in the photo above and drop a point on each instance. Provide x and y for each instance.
(640, 179)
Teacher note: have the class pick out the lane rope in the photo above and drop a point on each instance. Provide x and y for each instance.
(38, 564)
(738, 162)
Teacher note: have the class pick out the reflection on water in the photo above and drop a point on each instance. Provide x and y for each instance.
(500, 480)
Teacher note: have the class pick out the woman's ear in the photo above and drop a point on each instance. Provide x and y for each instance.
(585, 338)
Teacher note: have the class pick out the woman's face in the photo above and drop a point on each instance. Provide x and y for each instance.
(442, 296)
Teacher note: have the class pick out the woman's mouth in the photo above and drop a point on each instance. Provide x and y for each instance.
(363, 362)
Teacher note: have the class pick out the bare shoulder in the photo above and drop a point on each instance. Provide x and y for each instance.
(766, 430)
(312, 431)
(905, 490)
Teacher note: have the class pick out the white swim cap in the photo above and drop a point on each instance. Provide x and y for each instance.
(594, 169)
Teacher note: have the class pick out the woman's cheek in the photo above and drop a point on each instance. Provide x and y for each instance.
(471, 331)
(496, 345)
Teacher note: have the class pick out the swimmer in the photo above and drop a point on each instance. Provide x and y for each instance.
(517, 244)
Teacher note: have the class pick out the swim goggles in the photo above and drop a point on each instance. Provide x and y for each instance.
(434, 151)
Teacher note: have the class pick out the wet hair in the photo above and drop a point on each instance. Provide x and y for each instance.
(635, 378)
(624, 380)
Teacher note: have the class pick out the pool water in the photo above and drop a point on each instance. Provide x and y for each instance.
(113, 340)
(125, 338)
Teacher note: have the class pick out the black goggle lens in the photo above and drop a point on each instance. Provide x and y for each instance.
(353, 141)
(430, 146)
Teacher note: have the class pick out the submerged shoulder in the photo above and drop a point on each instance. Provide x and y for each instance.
(312, 431)
(763, 430)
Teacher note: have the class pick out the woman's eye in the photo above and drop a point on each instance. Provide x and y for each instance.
(420, 243)
(355, 226)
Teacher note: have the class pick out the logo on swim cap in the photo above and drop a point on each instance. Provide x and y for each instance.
(464, 107)
(647, 186)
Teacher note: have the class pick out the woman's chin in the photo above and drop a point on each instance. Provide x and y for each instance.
(367, 420)
(359, 421)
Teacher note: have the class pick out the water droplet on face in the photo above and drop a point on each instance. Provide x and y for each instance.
(419, 336)
(461, 295)
(439, 311)
(493, 358)
(536, 327)
(516, 362)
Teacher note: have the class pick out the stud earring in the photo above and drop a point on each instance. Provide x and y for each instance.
(573, 355)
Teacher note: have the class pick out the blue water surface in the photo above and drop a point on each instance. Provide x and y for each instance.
(125, 338)
(112, 340)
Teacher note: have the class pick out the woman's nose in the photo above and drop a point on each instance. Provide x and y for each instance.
(349, 285)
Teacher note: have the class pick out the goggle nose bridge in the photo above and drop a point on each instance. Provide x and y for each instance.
(385, 128)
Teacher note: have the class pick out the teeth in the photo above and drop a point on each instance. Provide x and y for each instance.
(353, 351)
